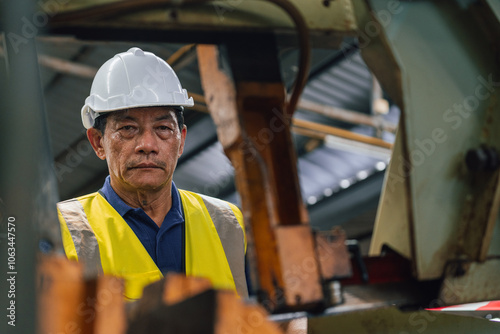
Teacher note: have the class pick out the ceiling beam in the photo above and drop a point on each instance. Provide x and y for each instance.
(182, 21)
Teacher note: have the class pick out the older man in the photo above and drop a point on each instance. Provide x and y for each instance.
(139, 225)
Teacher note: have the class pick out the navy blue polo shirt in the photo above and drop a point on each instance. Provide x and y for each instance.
(164, 244)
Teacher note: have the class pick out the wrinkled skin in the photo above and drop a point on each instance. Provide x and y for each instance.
(141, 147)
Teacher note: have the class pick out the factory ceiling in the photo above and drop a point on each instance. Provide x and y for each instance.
(340, 177)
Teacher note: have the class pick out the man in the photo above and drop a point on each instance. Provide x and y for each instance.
(139, 225)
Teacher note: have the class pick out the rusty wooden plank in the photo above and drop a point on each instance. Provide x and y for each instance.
(68, 303)
(110, 306)
(294, 326)
(232, 316)
(187, 305)
(178, 287)
(61, 293)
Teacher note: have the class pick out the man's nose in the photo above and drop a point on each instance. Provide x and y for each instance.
(147, 142)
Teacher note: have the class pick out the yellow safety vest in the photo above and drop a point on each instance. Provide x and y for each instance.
(215, 243)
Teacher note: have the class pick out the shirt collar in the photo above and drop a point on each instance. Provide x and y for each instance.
(123, 208)
(176, 202)
(116, 202)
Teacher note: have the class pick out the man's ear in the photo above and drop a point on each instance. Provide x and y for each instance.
(183, 140)
(96, 138)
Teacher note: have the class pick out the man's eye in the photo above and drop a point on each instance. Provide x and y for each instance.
(127, 127)
(164, 128)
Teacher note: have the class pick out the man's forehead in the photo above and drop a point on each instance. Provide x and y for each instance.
(136, 113)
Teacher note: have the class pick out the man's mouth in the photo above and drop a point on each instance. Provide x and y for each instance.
(146, 166)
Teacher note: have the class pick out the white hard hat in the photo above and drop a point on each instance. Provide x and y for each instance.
(133, 79)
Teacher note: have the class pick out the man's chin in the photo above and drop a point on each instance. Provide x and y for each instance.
(148, 184)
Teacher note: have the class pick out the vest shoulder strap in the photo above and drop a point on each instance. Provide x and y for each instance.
(228, 222)
(83, 237)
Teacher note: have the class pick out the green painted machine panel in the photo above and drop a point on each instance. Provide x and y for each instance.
(447, 71)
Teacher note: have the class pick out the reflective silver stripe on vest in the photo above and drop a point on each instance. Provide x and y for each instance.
(232, 239)
(83, 236)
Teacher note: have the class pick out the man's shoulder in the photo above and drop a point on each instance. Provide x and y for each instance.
(214, 201)
(80, 199)
(202, 196)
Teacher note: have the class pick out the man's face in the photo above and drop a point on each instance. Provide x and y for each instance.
(141, 146)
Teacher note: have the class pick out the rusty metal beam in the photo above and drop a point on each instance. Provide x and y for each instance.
(349, 145)
(255, 135)
(321, 128)
(349, 116)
